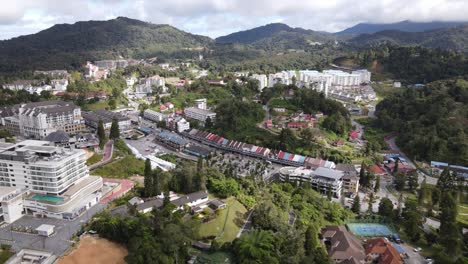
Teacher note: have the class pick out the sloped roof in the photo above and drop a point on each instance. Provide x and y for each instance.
(58, 136)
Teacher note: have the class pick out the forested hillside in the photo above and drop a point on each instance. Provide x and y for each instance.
(431, 121)
(454, 38)
(70, 46)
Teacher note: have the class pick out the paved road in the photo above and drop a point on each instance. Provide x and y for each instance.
(393, 146)
(247, 225)
(108, 152)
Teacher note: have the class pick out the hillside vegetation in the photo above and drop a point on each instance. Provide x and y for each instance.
(70, 46)
(431, 121)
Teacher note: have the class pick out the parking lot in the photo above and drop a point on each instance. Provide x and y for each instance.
(58, 243)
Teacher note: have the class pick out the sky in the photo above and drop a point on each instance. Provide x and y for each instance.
(220, 17)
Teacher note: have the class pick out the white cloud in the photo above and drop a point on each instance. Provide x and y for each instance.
(218, 17)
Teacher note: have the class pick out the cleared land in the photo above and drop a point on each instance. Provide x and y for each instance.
(226, 226)
(95, 250)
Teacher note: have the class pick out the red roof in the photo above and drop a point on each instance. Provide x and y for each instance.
(353, 134)
(162, 107)
(387, 253)
(376, 169)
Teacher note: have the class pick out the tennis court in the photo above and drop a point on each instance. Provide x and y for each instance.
(369, 230)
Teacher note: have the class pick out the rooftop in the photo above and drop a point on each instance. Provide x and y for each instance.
(199, 111)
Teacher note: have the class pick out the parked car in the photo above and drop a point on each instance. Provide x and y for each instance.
(417, 249)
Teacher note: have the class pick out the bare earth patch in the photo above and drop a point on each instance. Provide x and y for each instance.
(95, 250)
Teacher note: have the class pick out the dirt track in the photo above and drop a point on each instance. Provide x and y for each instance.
(97, 251)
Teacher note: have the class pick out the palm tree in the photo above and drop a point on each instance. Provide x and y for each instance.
(255, 246)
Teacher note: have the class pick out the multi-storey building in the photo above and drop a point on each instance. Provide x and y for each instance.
(56, 179)
(146, 85)
(37, 120)
(154, 116)
(92, 119)
(324, 180)
(199, 114)
(11, 200)
(262, 79)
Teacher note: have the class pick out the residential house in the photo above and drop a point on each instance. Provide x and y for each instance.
(379, 250)
(342, 246)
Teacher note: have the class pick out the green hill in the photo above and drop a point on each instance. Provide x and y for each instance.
(454, 38)
(69, 46)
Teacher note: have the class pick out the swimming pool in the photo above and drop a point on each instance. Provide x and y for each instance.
(47, 198)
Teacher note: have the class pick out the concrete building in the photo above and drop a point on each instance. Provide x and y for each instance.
(364, 75)
(11, 200)
(154, 116)
(146, 85)
(201, 103)
(56, 179)
(199, 114)
(92, 119)
(262, 79)
(182, 125)
(37, 120)
(324, 180)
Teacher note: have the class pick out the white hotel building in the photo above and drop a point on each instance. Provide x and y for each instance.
(55, 180)
(324, 180)
(262, 79)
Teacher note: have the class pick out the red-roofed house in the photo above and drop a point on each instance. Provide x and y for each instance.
(169, 105)
(353, 134)
(403, 168)
(162, 108)
(268, 123)
(382, 251)
(298, 125)
(376, 170)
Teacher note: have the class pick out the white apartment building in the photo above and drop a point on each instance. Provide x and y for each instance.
(146, 85)
(262, 79)
(364, 75)
(154, 116)
(201, 103)
(11, 200)
(37, 120)
(199, 114)
(56, 179)
(315, 80)
(324, 180)
(182, 125)
(340, 78)
(59, 85)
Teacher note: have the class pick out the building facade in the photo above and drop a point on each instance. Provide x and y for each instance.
(92, 119)
(324, 180)
(199, 114)
(37, 120)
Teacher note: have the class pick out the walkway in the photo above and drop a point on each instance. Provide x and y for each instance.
(108, 152)
(125, 186)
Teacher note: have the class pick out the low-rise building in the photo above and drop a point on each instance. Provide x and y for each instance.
(92, 119)
(182, 125)
(342, 246)
(11, 199)
(379, 250)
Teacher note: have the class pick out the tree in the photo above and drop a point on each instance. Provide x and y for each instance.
(450, 233)
(112, 104)
(395, 169)
(148, 181)
(255, 247)
(155, 181)
(208, 123)
(200, 164)
(101, 134)
(422, 193)
(311, 239)
(369, 205)
(377, 184)
(400, 181)
(114, 130)
(412, 219)
(356, 208)
(446, 181)
(386, 208)
(435, 196)
(413, 180)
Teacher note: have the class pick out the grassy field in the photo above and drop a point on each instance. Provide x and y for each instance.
(463, 214)
(226, 226)
(94, 159)
(103, 105)
(5, 255)
(121, 168)
(214, 258)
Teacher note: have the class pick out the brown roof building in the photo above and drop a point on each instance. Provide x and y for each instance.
(342, 246)
(382, 251)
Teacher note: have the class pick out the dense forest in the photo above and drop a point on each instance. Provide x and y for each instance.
(431, 121)
(415, 64)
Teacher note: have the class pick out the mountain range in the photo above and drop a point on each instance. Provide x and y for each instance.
(68, 46)
(406, 26)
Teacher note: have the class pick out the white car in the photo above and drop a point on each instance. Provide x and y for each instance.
(417, 249)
